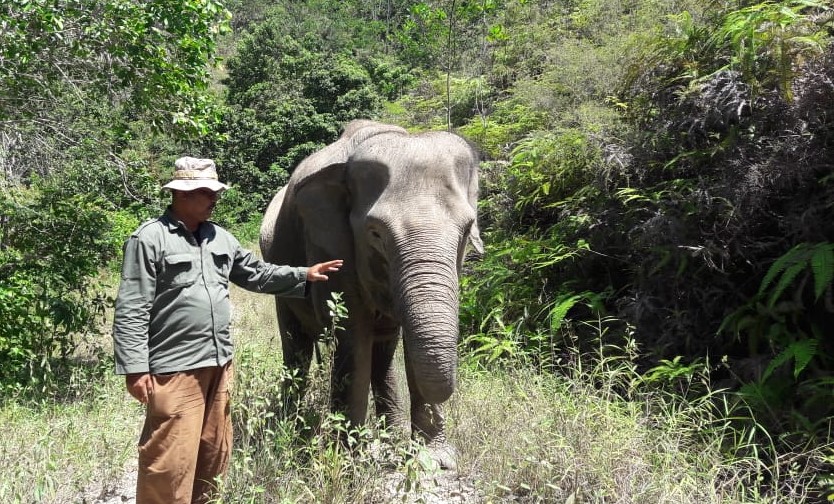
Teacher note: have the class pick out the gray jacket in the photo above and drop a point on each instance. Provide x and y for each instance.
(173, 310)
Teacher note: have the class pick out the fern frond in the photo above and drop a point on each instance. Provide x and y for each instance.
(822, 264)
(787, 278)
(789, 258)
(560, 310)
(801, 351)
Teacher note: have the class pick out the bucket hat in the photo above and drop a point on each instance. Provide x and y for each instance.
(193, 173)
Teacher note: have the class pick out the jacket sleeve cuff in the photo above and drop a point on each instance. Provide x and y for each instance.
(299, 290)
(125, 369)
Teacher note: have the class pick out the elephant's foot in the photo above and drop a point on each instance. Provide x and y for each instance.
(443, 454)
(428, 425)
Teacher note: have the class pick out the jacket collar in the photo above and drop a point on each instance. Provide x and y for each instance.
(171, 221)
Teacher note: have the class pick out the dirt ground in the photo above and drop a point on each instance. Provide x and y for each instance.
(446, 487)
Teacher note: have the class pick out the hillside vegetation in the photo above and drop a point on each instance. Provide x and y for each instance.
(656, 195)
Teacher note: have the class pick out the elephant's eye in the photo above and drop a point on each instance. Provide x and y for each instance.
(375, 239)
(375, 233)
(373, 230)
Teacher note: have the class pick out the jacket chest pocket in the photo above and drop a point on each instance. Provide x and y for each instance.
(179, 270)
(222, 266)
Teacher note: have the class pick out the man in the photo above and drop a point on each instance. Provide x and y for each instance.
(171, 333)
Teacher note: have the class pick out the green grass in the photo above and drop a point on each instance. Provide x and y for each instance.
(53, 449)
(551, 439)
(595, 433)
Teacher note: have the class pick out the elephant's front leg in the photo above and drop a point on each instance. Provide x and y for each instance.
(351, 377)
(387, 402)
(429, 424)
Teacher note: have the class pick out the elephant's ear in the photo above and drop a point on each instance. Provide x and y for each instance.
(475, 238)
(472, 194)
(322, 201)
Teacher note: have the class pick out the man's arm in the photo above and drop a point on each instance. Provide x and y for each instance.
(260, 276)
(131, 320)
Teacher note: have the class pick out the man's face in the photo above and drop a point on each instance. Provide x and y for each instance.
(199, 203)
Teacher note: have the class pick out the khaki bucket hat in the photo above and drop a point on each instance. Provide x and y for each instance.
(193, 173)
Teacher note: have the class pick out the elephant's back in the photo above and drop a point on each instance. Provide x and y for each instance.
(419, 145)
(355, 135)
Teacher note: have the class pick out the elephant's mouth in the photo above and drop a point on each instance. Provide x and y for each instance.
(384, 324)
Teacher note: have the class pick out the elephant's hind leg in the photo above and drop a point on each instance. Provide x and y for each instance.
(297, 348)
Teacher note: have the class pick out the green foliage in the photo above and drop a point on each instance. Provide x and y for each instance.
(735, 63)
(156, 56)
(450, 37)
(787, 320)
(391, 77)
(719, 104)
(677, 207)
(287, 98)
(421, 36)
(768, 38)
(52, 245)
(445, 101)
(507, 123)
(672, 370)
(816, 260)
(546, 167)
(512, 304)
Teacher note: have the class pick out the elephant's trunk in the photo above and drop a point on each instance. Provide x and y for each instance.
(428, 304)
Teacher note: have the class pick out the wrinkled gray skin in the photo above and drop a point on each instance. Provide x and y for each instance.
(399, 209)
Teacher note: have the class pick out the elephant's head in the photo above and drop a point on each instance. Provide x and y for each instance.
(402, 208)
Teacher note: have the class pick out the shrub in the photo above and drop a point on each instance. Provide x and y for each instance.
(52, 245)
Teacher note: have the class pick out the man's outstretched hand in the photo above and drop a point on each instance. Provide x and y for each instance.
(316, 272)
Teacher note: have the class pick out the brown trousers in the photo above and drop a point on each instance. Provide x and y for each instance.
(187, 438)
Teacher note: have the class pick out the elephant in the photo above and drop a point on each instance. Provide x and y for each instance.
(400, 209)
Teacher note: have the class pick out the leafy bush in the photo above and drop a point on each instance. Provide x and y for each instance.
(507, 123)
(287, 98)
(52, 245)
(727, 176)
(442, 102)
(787, 320)
(547, 167)
(390, 76)
(670, 219)
(156, 53)
(543, 213)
